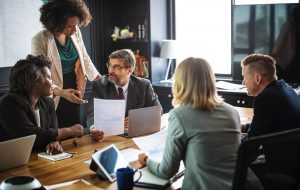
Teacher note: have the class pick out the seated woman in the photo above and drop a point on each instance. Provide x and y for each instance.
(27, 108)
(203, 131)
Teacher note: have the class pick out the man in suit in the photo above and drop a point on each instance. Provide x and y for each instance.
(121, 84)
(276, 108)
(276, 105)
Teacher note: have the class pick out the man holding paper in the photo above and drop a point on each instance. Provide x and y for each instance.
(121, 84)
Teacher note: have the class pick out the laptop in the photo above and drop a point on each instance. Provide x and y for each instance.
(143, 121)
(15, 152)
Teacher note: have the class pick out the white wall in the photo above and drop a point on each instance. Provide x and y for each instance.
(19, 21)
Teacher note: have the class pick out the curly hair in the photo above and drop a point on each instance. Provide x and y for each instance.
(28, 72)
(55, 13)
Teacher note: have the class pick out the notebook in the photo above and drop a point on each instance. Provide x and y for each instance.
(106, 161)
(55, 157)
(15, 152)
(143, 121)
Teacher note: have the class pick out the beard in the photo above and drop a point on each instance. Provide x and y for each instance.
(114, 79)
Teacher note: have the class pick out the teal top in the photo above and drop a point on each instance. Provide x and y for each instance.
(68, 55)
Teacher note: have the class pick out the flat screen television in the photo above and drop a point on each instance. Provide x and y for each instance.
(272, 29)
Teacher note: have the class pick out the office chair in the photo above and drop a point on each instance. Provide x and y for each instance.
(281, 165)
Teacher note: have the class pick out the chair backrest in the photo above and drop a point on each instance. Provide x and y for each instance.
(282, 158)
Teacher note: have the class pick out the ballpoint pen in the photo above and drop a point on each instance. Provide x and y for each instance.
(177, 176)
(71, 152)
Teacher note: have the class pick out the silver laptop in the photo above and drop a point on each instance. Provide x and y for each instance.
(143, 121)
(15, 152)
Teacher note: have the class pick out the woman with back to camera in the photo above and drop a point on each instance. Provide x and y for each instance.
(26, 109)
(203, 131)
(62, 42)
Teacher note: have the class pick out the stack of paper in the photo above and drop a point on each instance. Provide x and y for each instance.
(229, 86)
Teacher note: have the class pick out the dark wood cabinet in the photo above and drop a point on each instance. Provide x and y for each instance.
(146, 20)
(4, 80)
(165, 96)
(235, 98)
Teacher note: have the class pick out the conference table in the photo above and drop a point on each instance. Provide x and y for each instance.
(76, 168)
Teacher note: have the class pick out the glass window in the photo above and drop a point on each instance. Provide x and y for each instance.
(281, 18)
(203, 29)
(255, 2)
(241, 26)
(262, 29)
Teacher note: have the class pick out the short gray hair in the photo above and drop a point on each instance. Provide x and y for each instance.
(126, 55)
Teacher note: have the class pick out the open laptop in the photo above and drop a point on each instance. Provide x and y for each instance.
(15, 152)
(143, 121)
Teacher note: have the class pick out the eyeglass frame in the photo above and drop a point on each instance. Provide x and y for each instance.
(116, 67)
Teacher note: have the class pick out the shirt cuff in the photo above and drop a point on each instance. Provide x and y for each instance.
(92, 127)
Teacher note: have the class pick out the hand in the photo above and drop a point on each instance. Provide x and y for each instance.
(76, 130)
(70, 94)
(98, 77)
(142, 159)
(96, 135)
(54, 148)
(126, 123)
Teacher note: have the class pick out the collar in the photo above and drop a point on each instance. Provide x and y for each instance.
(125, 87)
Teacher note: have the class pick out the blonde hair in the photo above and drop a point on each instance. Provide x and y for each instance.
(194, 85)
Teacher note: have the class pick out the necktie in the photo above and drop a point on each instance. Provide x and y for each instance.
(121, 93)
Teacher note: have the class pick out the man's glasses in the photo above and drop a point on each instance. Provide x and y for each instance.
(115, 67)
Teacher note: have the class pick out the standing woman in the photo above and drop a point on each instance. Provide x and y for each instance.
(62, 42)
(203, 131)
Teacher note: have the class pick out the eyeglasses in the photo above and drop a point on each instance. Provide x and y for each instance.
(115, 67)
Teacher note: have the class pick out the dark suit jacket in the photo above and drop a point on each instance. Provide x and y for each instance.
(140, 94)
(276, 108)
(17, 119)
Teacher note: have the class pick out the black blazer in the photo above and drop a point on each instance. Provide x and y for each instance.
(140, 94)
(276, 108)
(17, 119)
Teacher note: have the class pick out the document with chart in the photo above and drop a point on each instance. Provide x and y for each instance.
(109, 116)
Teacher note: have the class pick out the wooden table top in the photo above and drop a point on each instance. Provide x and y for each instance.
(49, 172)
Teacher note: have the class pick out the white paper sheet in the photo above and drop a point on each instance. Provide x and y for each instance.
(131, 154)
(152, 144)
(229, 86)
(109, 116)
(65, 184)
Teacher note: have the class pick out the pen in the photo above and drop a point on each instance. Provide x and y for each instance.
(75, 143)
(177, 176)
(71, 152)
